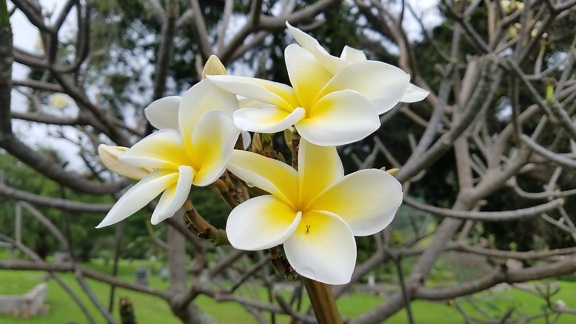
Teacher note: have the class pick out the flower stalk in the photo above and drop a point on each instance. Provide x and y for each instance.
(199, 226)
(323, 302)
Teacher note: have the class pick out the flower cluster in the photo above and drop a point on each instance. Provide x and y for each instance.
(314, 211)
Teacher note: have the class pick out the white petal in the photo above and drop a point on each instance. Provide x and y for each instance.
(339, 118)
(322, 248)
(318, 168)
(383, 84)
(160, 150)
(163, 113)
(270, 175)
(309, 43)
(213, 141)
(203, 97)
(109, 156)
(246, 139)
(252, 103)
(261, 223)
(270, 92)
(366, 200)
(139, 196)
(414, 93)
(350, 54)
(306, 74)
(174, 196)
(268, 119)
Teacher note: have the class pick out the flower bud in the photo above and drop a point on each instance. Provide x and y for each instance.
(213, 67)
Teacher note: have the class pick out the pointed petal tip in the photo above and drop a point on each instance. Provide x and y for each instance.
(413, 94)
(105, 222)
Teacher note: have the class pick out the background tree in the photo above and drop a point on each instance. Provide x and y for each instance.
(486, 161)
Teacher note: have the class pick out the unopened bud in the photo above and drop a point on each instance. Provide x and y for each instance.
(256, 143)
(391, 172)
(280, 157)
(288, 136)
(266, 138)
(213, 67)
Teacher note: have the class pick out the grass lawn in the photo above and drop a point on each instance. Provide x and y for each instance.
(150, 309)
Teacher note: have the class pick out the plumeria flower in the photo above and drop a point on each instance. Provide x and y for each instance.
(349, 56)
(192, 149)
(323, 112)
(162, 114)
(314, 212)
(332, 101)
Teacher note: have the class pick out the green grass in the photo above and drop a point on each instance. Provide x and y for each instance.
(19, 282)
(64, 310)
(149, 309)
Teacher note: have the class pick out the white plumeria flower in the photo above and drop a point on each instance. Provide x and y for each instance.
(321, 113)
(194, 154)
(349, 56)
(315, 212)
(332, 101)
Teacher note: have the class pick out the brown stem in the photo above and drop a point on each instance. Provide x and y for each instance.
(281, 264)
(199, 226)
(295, 147)
(323, 302)
(226, 188)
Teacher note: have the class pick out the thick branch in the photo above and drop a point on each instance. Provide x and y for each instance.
(6, 60)
(502, 274)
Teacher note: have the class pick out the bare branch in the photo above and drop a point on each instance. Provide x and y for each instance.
(498, 276)
(64, 204)
(499, 216)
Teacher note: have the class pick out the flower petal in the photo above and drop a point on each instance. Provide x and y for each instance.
(139, 196)
(204, 96)
(350, 54)
(270, 92)
(261, 223)
(212, 143)
(174, 196)
(322, 248)
(383, 84)
(318, 168)
(109, 156)
(306, 75)
(160, 150)
(414, 93)
(366, 200)
(269, 119)
(309, 43)
(163, 113)
(246, 139)
(339, 118)
(267, 174)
